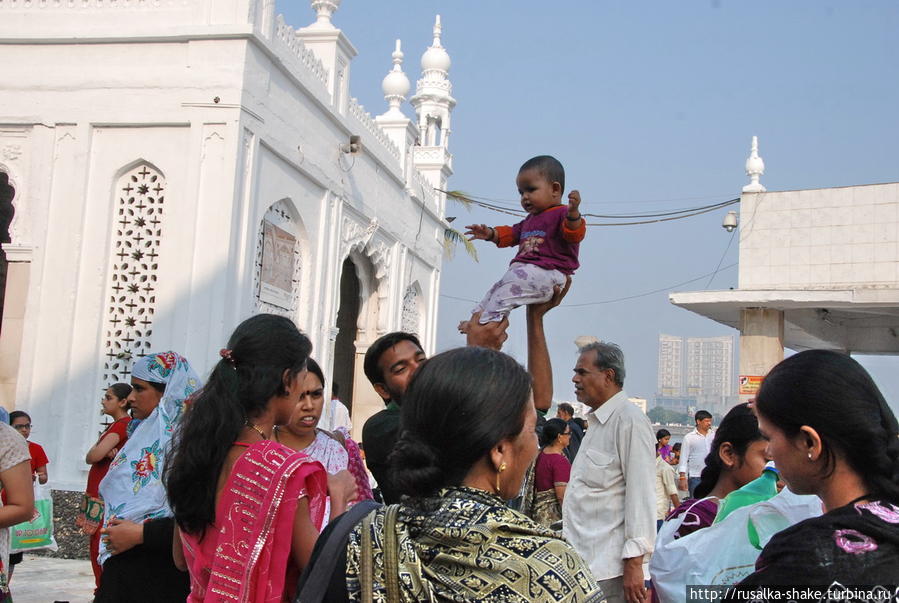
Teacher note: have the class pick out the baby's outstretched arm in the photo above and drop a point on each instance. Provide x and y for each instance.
(574, 202)
(574, 227)
(480, 231)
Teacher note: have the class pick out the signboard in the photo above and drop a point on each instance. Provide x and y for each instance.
(276, 274)
(750, 384)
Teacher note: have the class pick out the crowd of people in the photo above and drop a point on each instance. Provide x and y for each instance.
(248, 487)
(229, 491)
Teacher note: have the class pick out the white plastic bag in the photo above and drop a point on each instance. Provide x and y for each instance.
(721, 554)
(37, 533)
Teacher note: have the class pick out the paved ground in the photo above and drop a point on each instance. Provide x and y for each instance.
(45, 580)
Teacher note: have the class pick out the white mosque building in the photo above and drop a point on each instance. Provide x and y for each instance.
(172, 167)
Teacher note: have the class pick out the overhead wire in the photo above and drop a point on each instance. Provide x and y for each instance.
(654, 217)
(733, 233)
(659, 217)
(515, 202)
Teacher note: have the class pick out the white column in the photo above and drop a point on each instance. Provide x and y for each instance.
(761, 344)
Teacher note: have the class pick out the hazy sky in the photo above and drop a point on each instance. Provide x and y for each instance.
(650, 106)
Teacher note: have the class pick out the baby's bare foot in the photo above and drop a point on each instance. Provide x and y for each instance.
(463, 327)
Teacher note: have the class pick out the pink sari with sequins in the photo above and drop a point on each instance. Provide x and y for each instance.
(244, 555)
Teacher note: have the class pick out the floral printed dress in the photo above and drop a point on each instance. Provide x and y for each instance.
(857, 545)
(13, 450)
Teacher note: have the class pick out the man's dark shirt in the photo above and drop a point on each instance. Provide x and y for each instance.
(379, 434)
(574, 444)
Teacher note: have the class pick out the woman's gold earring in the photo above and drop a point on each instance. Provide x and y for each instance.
(502, 467)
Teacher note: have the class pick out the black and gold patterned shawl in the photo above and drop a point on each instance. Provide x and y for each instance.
(466, 545)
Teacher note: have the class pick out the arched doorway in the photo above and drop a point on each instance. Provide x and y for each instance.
(345, 343)
(6, 214)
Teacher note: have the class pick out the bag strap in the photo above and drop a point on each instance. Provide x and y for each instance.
(391, 555)
(366, 575)
(316, 578)
(336, 436)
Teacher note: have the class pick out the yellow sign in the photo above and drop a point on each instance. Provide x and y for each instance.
(750, 384)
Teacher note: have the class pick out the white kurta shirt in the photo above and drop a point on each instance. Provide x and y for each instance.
(693, 452)
(334, 415)
(610, 503)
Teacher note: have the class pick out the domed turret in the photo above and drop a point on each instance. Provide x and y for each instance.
(433, 104)
(435, 57)
(395, 84)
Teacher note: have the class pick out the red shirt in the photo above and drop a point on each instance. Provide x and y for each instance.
(547, 239)
(551, 469)
(99, 469)
(38, 456)
(38, 459)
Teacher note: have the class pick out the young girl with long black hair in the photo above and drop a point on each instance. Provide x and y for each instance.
(247, 506)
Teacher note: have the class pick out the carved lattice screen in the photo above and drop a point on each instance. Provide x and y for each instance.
(131, 290)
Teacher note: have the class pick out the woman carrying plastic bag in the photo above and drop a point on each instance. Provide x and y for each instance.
(722, 554)
(37, 533)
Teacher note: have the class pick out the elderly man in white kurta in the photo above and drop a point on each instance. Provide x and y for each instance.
(609, 509)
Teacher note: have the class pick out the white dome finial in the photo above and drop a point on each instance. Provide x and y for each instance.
(437, 31)
(435, 57)
(396, 85)
(397, 56)
(323, 11)
(755, 167)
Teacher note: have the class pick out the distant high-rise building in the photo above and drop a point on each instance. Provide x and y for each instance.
(671, 365)
(698, 369)
(710, 366)
(639, 403)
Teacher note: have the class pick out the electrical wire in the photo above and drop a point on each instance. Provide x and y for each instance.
(487, 205)
(515, 203)
(733, 233)
(680, 217)
(669, 213)
(659, 216)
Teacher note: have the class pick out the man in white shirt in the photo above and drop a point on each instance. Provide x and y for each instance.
(695, 448)
(335, 413)
(609, 511)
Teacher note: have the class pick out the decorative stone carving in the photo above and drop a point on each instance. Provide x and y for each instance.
(323, 11)
(365, 119)
(11, 152)
(411, 317)
(287, 35)
(131, 292)
(355, 235)
(380, 257)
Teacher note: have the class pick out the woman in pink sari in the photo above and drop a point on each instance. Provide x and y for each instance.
(247, 507)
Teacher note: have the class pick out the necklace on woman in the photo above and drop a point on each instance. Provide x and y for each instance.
(256, 429)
